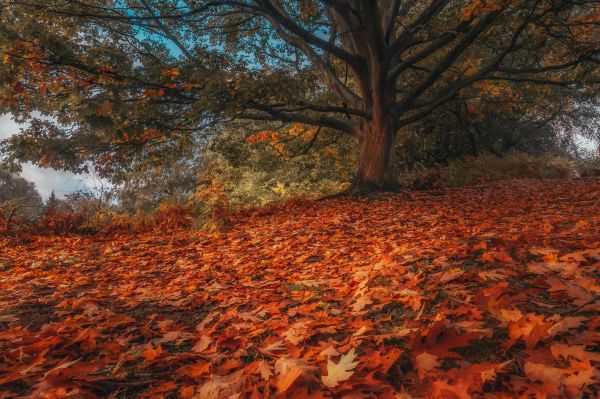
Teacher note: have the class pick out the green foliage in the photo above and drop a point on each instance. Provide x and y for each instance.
(269, 167)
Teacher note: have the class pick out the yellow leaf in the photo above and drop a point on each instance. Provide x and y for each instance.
(279, 189)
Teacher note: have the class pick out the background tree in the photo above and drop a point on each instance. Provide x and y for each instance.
(126, 82)
(504, 117)
(52, 203)
(18, 197)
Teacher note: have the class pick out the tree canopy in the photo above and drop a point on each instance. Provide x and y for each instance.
(130, 82)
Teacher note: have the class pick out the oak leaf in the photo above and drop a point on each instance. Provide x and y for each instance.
(340, 371)
(264, 369)
(576, 351)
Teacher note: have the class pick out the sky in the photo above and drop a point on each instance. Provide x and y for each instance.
(46, 180)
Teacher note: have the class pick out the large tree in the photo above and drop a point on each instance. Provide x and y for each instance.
(142, 76)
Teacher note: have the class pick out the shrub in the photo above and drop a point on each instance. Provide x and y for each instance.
(590, 167)
(56, 222)
(487, 168)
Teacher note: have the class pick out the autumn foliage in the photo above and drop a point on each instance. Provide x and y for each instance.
(490, 291)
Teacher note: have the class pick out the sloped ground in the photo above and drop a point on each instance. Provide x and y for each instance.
(452, 294)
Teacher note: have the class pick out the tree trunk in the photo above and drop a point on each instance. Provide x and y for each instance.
(376, 170)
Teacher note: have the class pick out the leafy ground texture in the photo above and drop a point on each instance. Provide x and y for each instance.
(489, 292)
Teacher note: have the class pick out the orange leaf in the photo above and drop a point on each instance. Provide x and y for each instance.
(195, 370)
(152, 353)
(425, 362)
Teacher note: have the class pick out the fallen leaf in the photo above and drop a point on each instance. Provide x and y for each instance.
(341, 371)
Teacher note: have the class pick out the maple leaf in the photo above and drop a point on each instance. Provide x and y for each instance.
(580, 294)
(296, 333)
(507, 315)
(450, 339)
(341, 371)
(187, 391)
(532, 328)
(264, 369)
(361, 331)
(118, 319)
(195, 370)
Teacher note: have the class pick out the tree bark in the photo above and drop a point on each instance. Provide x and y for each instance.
(376, 171)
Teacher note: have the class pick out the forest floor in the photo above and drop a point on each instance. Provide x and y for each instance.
(442, 294)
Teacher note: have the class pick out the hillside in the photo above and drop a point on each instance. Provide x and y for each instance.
(442, 294)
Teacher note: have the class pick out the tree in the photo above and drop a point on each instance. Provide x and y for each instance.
(143, 74)
(505, 117)
(18, 197)
(52, 203)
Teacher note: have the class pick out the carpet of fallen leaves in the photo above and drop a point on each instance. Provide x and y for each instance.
(489, 291)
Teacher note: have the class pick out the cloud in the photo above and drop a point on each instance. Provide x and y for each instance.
(46, 180)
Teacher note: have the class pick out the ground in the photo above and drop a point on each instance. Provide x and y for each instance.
(442, 294)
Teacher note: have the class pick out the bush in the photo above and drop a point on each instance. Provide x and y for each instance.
(56, 222)
(166, 218)
(590, 167)
(487, 168)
